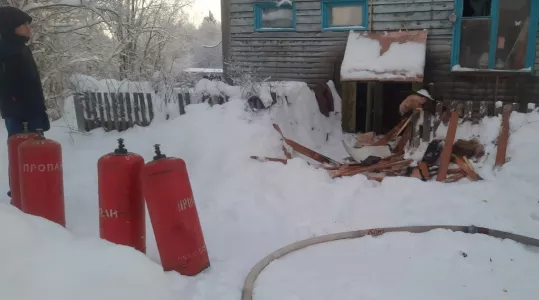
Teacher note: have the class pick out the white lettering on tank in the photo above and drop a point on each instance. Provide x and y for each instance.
(186, 203)
(109, 213)
(30, 168)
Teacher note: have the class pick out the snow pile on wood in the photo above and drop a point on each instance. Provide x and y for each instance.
(386, 56)
(298, 114)
(292, 105)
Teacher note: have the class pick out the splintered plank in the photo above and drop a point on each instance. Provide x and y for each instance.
(445, 157)
(382, 165)
(504, 136)
(455, 178)
(405, 138)
(424, 169)
(265, 159)
(395, 131)
(286, 153)
(306, 151)
(466, 168)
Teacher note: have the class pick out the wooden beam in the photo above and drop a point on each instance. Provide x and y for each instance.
(405, 138)
(225, 37)
(503, 138)
(349, 117)
(445, 157)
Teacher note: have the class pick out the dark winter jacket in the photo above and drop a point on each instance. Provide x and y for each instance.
(21, 92)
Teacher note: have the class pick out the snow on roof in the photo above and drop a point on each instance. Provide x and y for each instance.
(385, 56)
(203, 70)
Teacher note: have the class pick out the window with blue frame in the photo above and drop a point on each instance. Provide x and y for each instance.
(344, 15)
(269, 16)
(495, 35)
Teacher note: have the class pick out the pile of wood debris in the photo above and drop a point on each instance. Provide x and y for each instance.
(377, 160)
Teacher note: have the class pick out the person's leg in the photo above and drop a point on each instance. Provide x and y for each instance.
(13, 127)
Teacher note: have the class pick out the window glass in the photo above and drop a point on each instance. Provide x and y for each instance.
(475, 43)
(513, 27)
(346, 16)
(281, 17)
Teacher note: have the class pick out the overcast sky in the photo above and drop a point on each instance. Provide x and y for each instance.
(201, 7)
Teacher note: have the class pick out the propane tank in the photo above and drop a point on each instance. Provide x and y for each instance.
(174, 217)
(121, 205)
(13, 158)
(41, 178)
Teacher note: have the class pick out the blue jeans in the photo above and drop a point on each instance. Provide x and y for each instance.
(15, 126)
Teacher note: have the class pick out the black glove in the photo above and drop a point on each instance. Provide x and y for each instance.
(46, 122)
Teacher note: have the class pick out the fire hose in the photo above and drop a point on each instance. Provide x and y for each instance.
(247, 292)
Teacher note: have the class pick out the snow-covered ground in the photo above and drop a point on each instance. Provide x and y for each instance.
(248, 209)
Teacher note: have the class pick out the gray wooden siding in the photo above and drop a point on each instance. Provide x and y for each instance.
(311, 55)
(537, 54)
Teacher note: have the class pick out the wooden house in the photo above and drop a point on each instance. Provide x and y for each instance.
(476, 50)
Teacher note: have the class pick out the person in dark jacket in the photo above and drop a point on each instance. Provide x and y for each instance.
(21, 93)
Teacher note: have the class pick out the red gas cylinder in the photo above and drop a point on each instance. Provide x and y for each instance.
(121, 205)
(13, 158)
(172, 210)
(41, 177)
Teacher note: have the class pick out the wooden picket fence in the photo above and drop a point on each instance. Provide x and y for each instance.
(121, 111)
(112, 111)
(472, 111)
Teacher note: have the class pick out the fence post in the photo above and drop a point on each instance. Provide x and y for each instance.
(150, 107)
(180, 103)
(79, 111)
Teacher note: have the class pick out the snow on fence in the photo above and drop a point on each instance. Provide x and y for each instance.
(425, 128)
(121, 111)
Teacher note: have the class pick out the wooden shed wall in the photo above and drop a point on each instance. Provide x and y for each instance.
(310, 55)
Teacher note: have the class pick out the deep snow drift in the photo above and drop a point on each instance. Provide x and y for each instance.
(248, 209)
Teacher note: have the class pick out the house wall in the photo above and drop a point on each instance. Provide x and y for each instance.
(311, 55)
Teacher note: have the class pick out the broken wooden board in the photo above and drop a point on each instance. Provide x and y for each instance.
(445, 157)
(395, 131)
(455, 178)
(424, 169)
(405, 138)
(503, 138)
(383, 165)
(306, 151)
(266, 159)
(466, 168)
(286, 153)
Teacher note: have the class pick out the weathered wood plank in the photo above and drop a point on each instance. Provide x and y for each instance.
(115, 114)
(93, 105)
(412, 15)
(412, 7)
(181, 104)
(150, 107)
(78, 99)
(143, 112)
(349, 106)
(303, 50)
(121, 112)
(137, 109)
(129, 106)
(101, 110)
(108, 112)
